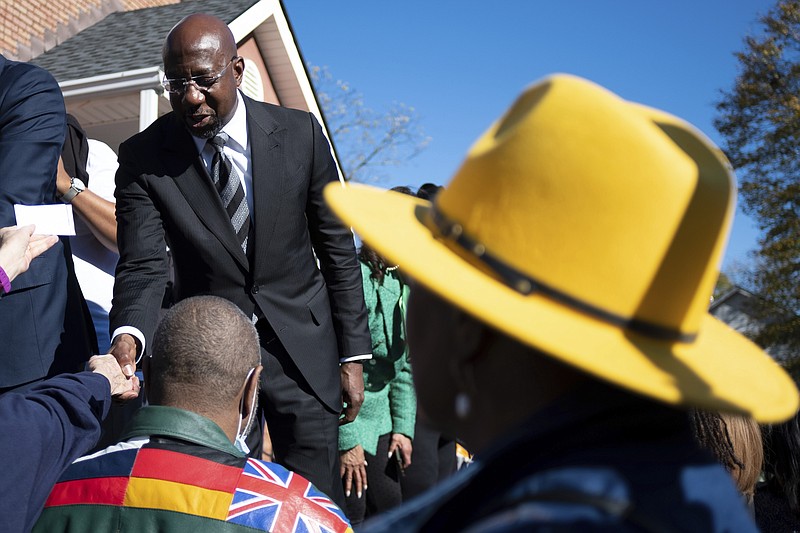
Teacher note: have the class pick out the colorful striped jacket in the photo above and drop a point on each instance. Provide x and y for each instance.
(177, 471)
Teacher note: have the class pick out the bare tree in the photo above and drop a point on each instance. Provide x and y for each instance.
(368, 141)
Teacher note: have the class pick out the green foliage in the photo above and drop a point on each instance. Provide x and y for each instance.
(759, 119)
(367, 141)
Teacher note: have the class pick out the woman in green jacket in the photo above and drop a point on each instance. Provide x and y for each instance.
(376, 447)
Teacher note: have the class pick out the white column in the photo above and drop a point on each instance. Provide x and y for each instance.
(148, 107)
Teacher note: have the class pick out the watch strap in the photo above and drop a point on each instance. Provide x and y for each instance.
(71, 193)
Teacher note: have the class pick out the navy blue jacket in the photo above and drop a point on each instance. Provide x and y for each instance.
(45, 427)
(602, 460)
(44, 330)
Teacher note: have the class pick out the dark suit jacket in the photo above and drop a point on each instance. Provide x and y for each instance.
(39, 336)
(164, 192)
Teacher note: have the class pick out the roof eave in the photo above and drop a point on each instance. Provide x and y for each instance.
(247, 23)
(127, 81)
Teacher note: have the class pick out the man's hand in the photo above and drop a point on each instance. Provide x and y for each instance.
(353, 470)
(352, 390)
(18, 247)
(121, 387)
(124, 350)
(402, 445)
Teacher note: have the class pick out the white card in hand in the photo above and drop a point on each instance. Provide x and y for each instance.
(53, 219)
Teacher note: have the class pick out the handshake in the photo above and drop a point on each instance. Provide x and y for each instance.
(122, 387)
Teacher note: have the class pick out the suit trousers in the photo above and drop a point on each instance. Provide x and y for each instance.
(304, 432)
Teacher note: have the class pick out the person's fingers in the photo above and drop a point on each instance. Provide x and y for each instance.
(130, 393)
(106, 366)
(20, 236)
(7, 231)
(406, 458)
(364, 475)
(26, 230)
(401, 444)
(122, 388)
(348, 481)
(126, 396)
(136, 386)
(14, 249)
(124, 351)
(359, 475)
(350, 413)
(38, 244)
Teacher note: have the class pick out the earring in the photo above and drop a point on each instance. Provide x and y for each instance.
(463, 405)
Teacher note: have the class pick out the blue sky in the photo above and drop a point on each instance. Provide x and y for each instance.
(460, 64)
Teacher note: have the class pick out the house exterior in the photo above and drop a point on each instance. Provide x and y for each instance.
(745, 312)
(29, 28)
(111, 72)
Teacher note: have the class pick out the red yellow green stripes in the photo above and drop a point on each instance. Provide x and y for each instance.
(159, 479)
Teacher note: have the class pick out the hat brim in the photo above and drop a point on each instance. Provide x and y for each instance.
(720, 370)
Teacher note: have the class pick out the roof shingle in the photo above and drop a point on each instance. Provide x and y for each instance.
(31, 27)
(131, 40)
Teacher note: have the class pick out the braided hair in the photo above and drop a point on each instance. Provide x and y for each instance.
(711, 433)
(736, 442)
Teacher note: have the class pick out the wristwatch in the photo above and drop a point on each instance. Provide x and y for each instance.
(76, 186)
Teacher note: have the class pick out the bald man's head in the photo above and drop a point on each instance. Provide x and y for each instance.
(201, 62)
(200, 29)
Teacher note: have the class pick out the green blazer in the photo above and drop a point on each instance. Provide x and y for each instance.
(390, 405)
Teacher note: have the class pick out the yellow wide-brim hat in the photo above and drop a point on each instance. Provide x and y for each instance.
(590, 228)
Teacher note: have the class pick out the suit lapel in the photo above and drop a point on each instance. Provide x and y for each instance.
(267, 156)
(196, 186)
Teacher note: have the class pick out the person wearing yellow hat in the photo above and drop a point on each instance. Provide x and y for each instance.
(558, 319)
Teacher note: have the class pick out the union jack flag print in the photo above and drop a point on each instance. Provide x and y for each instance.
(270, 498)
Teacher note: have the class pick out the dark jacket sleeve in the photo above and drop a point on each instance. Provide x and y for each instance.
(46, 427)
(33, 124)
(335, 248)
(142, 268)
(45, 302)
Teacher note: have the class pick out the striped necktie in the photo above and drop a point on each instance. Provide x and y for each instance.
(230, 189)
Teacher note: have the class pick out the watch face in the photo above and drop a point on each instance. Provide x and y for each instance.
(78, 184)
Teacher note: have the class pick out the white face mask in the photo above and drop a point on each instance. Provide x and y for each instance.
(239, 443)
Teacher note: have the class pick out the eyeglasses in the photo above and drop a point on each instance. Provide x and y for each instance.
(201, 83)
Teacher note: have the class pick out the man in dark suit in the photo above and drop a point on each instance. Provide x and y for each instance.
(234, 187)
(42, 318)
